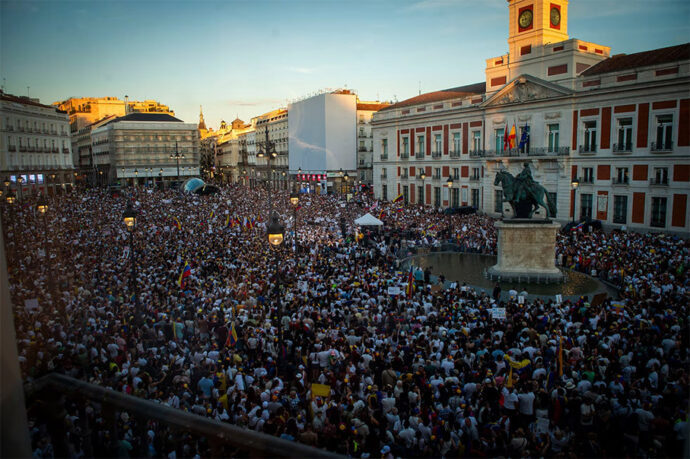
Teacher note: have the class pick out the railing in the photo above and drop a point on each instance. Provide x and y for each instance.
(22, 148)
(436, 177)
(474, 178)
(584, 149)
(362, 149)
(384, 176)
(55, 150)
(384, 157)
(221, 435)
(659, 181)
(436, 155)
(548, 151)
(622, 147)
(477, 153)
(664, 146)
(10, 127)
(404, 177)
(617, 181)
(454, 154)
(12, 148)
(65, 150)
(587, 180)
(404, 156)
(419, 155)
(20, 129)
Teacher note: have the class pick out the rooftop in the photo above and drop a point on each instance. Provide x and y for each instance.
(153, 117)
(26, 101)
(659, 56)
(444, 94)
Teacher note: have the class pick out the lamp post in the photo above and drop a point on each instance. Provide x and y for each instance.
(575, 183)
(294, 200)
(20, 180)
(129, 217)
(160, 178)
(422, 176)
(42, 208)
(11, 198)
(177, 157)
(275, 233)
(449, 182)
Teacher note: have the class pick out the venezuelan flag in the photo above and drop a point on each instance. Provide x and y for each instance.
(227, 221)
(399, 198)
(409, 290)
(381, 215)
(232, 336)
(177, 223)
(186, 272)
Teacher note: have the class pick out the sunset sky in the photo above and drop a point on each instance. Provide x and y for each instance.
(245, 58)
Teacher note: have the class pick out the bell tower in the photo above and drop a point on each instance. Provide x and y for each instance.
(536, 23)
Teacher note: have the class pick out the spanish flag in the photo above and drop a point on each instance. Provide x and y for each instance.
(399, 198)
(213, 214)
(511, 137)
(232, 336)
(177, 223)
(186, 272)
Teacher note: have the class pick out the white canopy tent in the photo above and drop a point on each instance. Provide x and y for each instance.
(368, 220)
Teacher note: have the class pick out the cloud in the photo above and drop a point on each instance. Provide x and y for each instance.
(430, 5)
(302, 69)
(253, 103)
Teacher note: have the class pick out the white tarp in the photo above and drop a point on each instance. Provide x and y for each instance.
(368, 220)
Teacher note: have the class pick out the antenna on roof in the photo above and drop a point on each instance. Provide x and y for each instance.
(420, 87)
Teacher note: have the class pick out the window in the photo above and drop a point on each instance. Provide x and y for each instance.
(499, 140)
(475, 198)
(624, 135)
(455, 197)
(456, 143)
(384, 173)
(590, 145)
(476, 140)
(406, 146)
(664, 133)
(437, 143)
(588, 175)
(620, 209)
(498, 201)
(384, 192)
(661, 176)
(437, 173)
(475, 173)
(384, 148)
(420, 145)
(585, 205)
(437, 196)
(456, 173)
(420, 195)
(658, 212)
(553, 137)
(406, 194)
(622, 175)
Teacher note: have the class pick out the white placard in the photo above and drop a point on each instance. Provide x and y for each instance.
(394, 290)
(559, 299)
(498, 313)
(602, 202)
(521, 299)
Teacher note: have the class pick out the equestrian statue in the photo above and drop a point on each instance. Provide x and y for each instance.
(524, 194)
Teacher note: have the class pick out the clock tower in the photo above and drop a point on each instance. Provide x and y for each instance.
(536, 23)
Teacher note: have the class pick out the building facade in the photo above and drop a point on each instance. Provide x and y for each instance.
(35, 147)
(607, 136)
(270, 130)
(145, 148)
(365, 141)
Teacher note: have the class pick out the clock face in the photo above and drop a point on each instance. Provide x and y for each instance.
(525, 19)
(555, 16)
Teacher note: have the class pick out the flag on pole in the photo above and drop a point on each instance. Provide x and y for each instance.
(232, 336)
(506, 142)
(177, 223)
(511, 137)
(186, 272)
(409, 290)
(213, 214)
(227, 221)
(399, 198)
(524, 138)
(381, 214)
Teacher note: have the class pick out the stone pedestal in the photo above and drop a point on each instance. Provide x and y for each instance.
(526, 252)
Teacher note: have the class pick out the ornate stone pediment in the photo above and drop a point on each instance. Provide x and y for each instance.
(526, 88)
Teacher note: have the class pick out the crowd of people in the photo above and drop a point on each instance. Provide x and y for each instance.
(309, 343)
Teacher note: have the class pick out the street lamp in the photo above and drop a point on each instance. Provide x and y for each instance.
(449, 182)
(11, 198)
(294, 200)
(177, 157)
(20, 180)
(42, 208)
(275, 231)
(129, 217)
(575, 183)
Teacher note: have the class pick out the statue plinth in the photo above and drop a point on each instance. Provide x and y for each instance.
(526, 251)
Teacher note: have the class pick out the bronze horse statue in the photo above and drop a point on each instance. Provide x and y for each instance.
(524, 195)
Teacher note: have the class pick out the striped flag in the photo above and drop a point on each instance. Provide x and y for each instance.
(409, 290)
(227, 221)
(177, 223)
(399, 198)
(232, 336)
(186, 272)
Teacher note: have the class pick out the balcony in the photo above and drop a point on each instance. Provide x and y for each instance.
(362, 149)
(384, 157)
(12, 148)
(454, 154)
(404, 177)
(620, 181)
(436, 177)
(10, 128)
(419, 155)
(55, 150)
(658, 181)
(436, 155)
(474, 178)
(587, 149)
(384, 176)
(65, 150)
(587, 180)
(477, 153)
(622, 147)
(404, 156)
(663, 146)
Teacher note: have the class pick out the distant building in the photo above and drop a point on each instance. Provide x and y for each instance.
(617, 126)
(35, 147)
(365, 141)
(273, 124)
(135, 149)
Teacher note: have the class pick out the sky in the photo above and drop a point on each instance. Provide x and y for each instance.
(244, 58)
